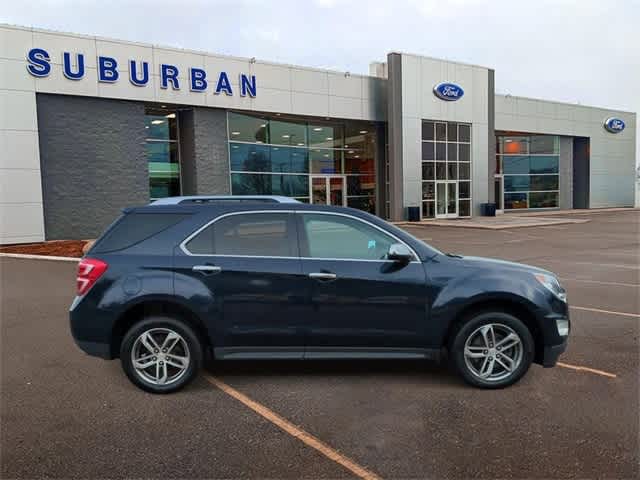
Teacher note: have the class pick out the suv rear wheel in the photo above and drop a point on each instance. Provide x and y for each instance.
(161, 354)
(492, 350)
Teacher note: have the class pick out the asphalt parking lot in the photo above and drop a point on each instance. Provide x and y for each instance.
(64, 414)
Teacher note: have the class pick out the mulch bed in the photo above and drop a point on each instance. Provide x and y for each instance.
(56, 248)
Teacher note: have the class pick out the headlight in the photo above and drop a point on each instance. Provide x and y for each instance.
(551, 283)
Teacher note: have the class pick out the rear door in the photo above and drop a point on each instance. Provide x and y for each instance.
(249, 263)
(361, 303)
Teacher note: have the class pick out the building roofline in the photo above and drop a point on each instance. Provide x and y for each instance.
(437, 59)
(182, 50)
(573, 104)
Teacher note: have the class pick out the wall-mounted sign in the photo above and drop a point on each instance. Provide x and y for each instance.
(614, 125)
(108, 71)
(448, 91)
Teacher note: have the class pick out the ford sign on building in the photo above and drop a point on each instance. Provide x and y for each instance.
(448, 91)
(614, 125)
(90, 125)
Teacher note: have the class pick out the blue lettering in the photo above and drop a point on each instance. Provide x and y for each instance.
(67, 67)
(169, 73)
(224, 84)
(247, 85)
(39, 65)
(107, 69)
(133, 73)
(198, 82)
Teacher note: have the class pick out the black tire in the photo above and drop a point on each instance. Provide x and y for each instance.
(470, 328)
(157, 327)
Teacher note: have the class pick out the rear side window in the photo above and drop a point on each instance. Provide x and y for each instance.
(252, 234)
(133, 228)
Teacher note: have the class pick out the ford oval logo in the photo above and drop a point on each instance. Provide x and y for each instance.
(614, 125)
(448, 91)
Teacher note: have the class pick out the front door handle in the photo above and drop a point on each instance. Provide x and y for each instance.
(207, 269)
(323, 276)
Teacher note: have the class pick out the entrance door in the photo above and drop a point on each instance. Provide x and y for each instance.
(328, 190)
(447, 199)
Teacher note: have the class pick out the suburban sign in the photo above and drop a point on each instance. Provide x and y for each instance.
(448, 91)
(614, 125)
(108, 71)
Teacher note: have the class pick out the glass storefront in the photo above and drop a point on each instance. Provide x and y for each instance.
(163, 155)
(330, 162)
(529, 169)
(446, 169)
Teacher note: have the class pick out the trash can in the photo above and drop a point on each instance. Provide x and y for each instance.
(413, 214)
(488, 209)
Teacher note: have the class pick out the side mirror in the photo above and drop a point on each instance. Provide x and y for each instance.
(399, 252)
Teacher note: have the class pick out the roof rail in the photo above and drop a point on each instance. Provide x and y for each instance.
(207, 199)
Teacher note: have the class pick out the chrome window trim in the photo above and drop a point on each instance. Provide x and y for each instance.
(247, 212)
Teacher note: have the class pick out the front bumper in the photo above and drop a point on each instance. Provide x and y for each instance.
(551, 353)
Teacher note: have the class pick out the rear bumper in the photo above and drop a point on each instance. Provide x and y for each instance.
(102, 350)
(88, 330)
(552, 353)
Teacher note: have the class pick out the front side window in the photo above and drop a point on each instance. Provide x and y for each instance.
(252, 234)
(334, 236)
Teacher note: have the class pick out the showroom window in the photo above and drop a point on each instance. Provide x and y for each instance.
(529, 169)
(320, 162)
(446, 169)
(162, 150)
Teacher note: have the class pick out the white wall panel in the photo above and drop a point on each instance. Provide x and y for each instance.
(19, 149)
(345, 107)
(308, 103)
(309, 81)
(16, 186)
(15, 42)
(14, 75)
(21, 223)
(18, 110)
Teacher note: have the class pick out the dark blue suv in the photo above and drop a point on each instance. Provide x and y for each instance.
(167, 283)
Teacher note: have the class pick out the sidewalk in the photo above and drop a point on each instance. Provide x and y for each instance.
(517, 219)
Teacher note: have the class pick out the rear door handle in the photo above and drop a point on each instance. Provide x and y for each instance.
(323, 276)
(207, 269)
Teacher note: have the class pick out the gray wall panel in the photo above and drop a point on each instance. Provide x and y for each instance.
(395, 135)
(211, 151)
(566, 172)
(92, 160)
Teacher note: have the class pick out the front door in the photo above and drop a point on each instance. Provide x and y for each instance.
(447, 199)
(244, 272)
(361, 303)
(328, 190)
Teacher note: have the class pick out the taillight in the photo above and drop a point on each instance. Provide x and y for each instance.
(89, 271)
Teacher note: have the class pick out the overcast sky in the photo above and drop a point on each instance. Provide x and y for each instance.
(585, 51)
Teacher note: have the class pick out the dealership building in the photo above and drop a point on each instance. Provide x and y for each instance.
(90, 125)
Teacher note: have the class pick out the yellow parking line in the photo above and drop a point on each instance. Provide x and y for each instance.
(610, 312)
(587, 369)
(294, 431)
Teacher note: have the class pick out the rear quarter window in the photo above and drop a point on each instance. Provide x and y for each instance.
(133, 228)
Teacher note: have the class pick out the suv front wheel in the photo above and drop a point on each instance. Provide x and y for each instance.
(492, 350)
(161, 354)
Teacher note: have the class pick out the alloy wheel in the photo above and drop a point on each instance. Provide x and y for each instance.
(493, 352)
(160, 356)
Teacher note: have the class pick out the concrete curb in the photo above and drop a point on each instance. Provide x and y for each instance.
(26, 256)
